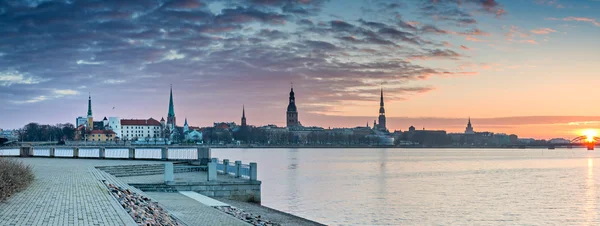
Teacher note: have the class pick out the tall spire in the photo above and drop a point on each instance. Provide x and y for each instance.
(171, 107)
(382, 121)
(243, 115)
(185, 123)
(381, 101)
(89, 113)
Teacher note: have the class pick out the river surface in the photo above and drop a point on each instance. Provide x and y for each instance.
(429, 186)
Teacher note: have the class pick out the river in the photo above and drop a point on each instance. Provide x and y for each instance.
(429, 186)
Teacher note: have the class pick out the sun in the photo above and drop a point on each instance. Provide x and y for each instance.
(590, 134)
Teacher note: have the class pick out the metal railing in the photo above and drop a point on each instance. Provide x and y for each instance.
(158, 153)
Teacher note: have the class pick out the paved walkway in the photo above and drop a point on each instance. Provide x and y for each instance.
(70, 192)
(193, 212)
(64, 192)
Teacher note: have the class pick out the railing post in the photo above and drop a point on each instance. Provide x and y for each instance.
(169, 171)
(225, 164)
(102, 152)
(165, 153)
(212, 171)
(203, 153)
(238, 168)
(52, 152)
(75, 152)
(131, 153)
(253, 171)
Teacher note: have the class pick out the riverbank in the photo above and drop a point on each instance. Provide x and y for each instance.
(276, 216)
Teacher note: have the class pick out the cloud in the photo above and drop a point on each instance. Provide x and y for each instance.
(543, 31)
(65, 92)
(114, 81)
(515, 34)
(53, 94)
(437, 54)
(250, 45)
(8, 78)
(580, 19)
(553, 3)
(464, 47)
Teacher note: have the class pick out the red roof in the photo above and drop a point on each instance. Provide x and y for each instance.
(194, 128)
(222, 126)
(140, 122)
(97, 131)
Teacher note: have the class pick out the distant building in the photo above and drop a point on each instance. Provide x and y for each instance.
(559, 141)
(469, 130)
(114, 124)
(133, 129)
(292, 112)
(101, 136)
(80, 121)
(9, 134)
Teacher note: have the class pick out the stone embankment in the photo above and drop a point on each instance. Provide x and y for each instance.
(140, 208)
(246, 216)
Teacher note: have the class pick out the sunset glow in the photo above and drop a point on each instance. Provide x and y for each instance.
(590, 134)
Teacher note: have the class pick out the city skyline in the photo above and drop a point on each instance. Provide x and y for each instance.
(507, 65)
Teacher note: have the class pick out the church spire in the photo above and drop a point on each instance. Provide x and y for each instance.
(171, 116)
(381, 101)
(89, 113)
(171, 106)
(382, 120)
(243, 115)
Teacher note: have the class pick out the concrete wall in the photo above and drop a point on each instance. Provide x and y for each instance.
(246, 192)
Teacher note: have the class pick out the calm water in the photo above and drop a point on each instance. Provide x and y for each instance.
(429, 186)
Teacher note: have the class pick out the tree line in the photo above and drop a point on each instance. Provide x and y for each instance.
(39, 132)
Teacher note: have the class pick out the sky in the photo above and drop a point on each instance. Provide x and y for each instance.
(527, 67)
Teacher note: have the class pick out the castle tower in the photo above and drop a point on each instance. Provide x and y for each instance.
(243, 116)
(292, 112)
(171, 116)
(382, 121)
(90, 118)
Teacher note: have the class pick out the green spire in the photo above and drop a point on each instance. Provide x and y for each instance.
(90, 106)
(171, 107)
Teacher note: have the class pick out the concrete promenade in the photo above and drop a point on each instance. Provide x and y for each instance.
(70, 192)
(64, 192)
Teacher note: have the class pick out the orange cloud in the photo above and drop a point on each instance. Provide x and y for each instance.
(543, 31)
(580, 19)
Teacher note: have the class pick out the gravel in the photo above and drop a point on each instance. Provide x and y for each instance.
(141, 208)
(275, 216)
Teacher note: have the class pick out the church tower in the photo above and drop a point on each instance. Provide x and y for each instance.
(469, 129)
(243, 116)
(90, 118)
(186, 127)
(171, 116)
(292, 112)
(382, 124)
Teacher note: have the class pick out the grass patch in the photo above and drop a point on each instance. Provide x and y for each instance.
(14, 177)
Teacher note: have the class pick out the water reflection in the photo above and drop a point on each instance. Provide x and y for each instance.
(292, 179)
(429, 186)
(590, 193)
